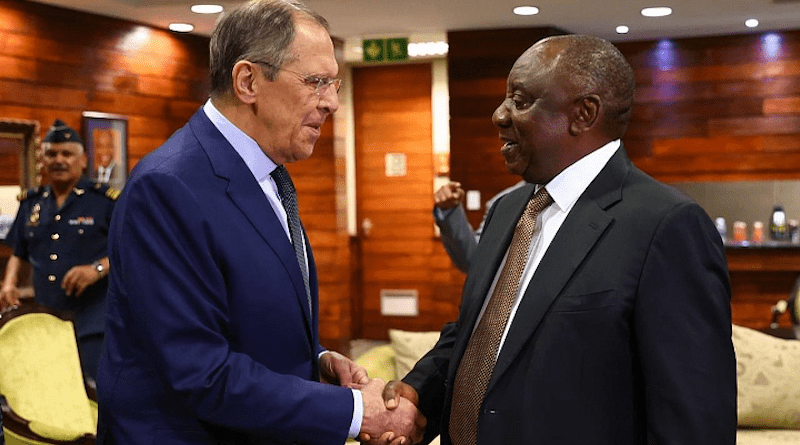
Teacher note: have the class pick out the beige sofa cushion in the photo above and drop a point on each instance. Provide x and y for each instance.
(409, 347)
(379, 362)
(747, 436)
(768, 377)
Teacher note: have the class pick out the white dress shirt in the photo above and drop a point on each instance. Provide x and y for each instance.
(565, 189)
(104, 173)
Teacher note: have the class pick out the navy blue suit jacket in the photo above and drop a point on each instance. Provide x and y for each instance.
(209, 339)
(622, 337)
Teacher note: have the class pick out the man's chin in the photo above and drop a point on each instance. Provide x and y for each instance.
(304, 152)
(515, 168)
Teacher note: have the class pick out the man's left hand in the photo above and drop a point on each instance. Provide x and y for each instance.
(78, 279)
(337, 369)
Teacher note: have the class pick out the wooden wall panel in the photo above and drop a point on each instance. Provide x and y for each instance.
(713, 108)
(401, 251)
(57, 63)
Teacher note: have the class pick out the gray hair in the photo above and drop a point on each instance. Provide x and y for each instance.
(261, 30)
(595, 66)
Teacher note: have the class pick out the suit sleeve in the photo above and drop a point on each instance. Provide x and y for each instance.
(682, 323)
(458, 237)
(175, 287)
(429, 378)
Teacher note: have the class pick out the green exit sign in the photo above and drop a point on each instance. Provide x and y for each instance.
(383, 50)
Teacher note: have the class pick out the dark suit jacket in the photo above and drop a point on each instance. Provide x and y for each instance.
(623, 335)
(209, 338)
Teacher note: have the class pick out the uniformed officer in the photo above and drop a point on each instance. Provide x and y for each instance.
(62, 230)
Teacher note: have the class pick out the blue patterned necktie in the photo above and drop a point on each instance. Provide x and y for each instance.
(289, 200)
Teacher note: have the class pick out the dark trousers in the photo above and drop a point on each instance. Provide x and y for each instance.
(89, 347)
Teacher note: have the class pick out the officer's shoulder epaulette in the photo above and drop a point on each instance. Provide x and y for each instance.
(30, 193)
(111, 193)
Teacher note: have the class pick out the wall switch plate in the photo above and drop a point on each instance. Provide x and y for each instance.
(473, 199)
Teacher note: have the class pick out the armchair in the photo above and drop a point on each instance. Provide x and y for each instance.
(43, 394)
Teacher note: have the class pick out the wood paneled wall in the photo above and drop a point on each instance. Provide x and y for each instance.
(707, 109)
(400, 251)
(717, 108)
(57, 63)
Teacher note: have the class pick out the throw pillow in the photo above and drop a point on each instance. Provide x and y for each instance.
(409, 347)
(768, 379)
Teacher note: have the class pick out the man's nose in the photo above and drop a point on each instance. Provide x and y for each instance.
(500, 117)
(329, 99)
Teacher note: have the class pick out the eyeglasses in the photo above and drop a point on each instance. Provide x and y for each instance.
(318, 83)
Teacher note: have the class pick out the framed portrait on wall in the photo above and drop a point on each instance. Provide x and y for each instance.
(106, 138)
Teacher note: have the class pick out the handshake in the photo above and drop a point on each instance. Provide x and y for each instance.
(391, 416)
(390, 413)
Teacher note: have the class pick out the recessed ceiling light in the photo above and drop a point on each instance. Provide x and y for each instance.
(181, 27)
(622, 29)
(751, 23)
(526, 10)
(206, 9)
(658, 11)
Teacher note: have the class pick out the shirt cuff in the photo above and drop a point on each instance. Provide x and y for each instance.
(358, 414)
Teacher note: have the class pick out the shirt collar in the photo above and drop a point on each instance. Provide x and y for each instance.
(570, 184)
(257, 161)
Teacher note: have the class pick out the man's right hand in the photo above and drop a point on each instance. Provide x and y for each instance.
(402, 424)
(9, 296)
(448, 196)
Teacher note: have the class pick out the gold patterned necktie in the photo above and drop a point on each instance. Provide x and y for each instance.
(477, 364)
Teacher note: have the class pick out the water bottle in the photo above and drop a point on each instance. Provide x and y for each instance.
(777, 224)
(721, 227)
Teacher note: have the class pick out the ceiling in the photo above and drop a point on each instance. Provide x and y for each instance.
(363, 18)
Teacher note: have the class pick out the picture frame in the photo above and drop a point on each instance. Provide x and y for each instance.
(106, 141)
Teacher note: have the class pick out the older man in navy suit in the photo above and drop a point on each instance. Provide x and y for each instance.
(212, 312)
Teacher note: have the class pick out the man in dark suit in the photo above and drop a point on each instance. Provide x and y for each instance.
(213, 309)
(619, 330)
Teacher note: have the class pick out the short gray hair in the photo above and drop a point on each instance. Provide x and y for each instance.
(260, 30)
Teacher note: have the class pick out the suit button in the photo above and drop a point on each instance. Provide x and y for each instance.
(58, 217)
(53, 257)
(51, 278)
(80, 231)
(54, 236)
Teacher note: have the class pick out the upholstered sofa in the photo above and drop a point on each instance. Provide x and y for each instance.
(768, 370)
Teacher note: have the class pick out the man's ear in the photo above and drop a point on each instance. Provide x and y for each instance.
(587, 110)
(245, 86)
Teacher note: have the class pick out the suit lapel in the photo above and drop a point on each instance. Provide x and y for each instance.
(247, 195)
(580, 231)
(487, 257)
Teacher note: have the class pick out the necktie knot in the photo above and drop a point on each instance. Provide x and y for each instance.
(284, 182)
(538, 202)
